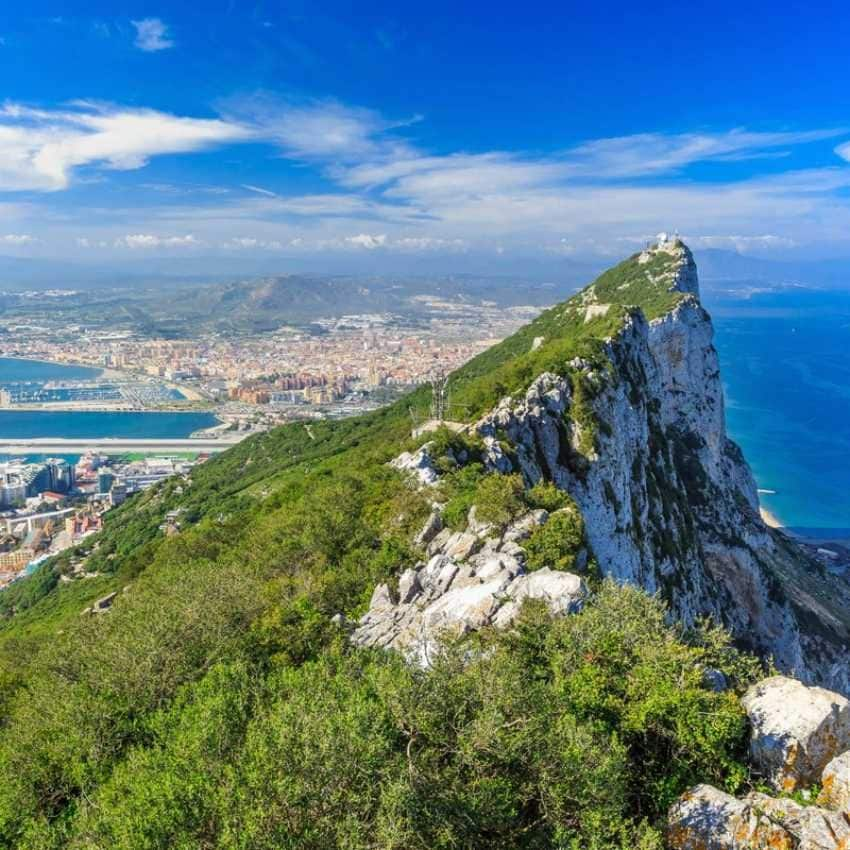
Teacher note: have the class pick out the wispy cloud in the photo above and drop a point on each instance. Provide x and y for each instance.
(152, 35)
(259, 190)
(320, 130)
(844, 151)
(150, 240)
(377, 191)
(41, 149)
(654, 153)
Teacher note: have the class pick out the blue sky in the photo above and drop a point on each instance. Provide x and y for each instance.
(376, 131)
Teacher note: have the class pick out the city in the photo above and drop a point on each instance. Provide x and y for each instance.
(51, 505)
(337, 366)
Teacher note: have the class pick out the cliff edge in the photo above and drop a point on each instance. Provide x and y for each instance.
(632, 428)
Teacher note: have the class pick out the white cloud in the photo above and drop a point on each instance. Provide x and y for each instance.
(653, 153)
(259, 190)
(382, 193)
(152, 35)
(17, 239)
(149, 240)
(844, 151)
(320, 129)
(41, 149)
(367, 240)
(250, 243)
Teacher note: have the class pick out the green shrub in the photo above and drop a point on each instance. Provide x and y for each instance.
(620, 666)
(544, 494)
(556, 543)
(499, 499)
(458, 490)
(451, 449)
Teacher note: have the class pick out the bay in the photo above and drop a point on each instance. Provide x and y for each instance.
(14, 370)
(25, 424)
(94, 424)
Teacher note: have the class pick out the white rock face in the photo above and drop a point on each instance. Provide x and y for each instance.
(835, 784)
(668, 500)
(707, 819)
(704, 819)
(796, 730)
(469, 582)
(419, 463)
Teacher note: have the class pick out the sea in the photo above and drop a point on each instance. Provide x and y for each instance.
(785, 364)
(23, 424)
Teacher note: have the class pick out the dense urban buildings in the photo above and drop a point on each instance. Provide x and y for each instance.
(50, 505)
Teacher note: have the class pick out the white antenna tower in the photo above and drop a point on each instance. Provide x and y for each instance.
(439, 395)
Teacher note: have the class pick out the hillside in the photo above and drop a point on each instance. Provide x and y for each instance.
(260, 304)
(237, 693)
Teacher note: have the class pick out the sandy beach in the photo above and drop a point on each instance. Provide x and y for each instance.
(769, 518)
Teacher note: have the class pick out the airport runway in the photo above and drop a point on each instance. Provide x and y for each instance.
(116, 445)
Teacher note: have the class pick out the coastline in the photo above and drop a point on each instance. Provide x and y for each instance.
(770, 519)
(191, 402)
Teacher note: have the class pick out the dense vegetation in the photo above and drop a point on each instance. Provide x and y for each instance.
(218, 705)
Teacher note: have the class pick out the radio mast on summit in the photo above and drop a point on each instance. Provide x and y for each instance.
(439, 395)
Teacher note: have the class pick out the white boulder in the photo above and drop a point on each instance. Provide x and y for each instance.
(563, 592)
(835, 784)
(418, 463)
(708, 819)
(704, 818)
(796, 730)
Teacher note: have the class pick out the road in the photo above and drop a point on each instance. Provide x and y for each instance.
(116, 445)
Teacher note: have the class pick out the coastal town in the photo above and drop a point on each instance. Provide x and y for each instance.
(250, 382)
(50, 505)
(338, 367)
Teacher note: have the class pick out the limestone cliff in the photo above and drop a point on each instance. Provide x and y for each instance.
(636, 435)
(668, 500)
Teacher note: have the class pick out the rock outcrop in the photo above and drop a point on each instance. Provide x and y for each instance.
(796, 730)
(799, 738)
(471, 580)
(708, 819)
(419, 463)
(835, 784)
(668, 500)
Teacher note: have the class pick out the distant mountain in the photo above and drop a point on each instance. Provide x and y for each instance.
(730, 268)
(259, 304)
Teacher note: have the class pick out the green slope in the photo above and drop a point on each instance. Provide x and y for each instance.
(217, 705)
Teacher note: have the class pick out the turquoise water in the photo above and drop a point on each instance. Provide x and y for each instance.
(24, 424)
(785, 362)
(19, 371)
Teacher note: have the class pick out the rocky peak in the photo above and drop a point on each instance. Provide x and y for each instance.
(634, 431)
(681, 274)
